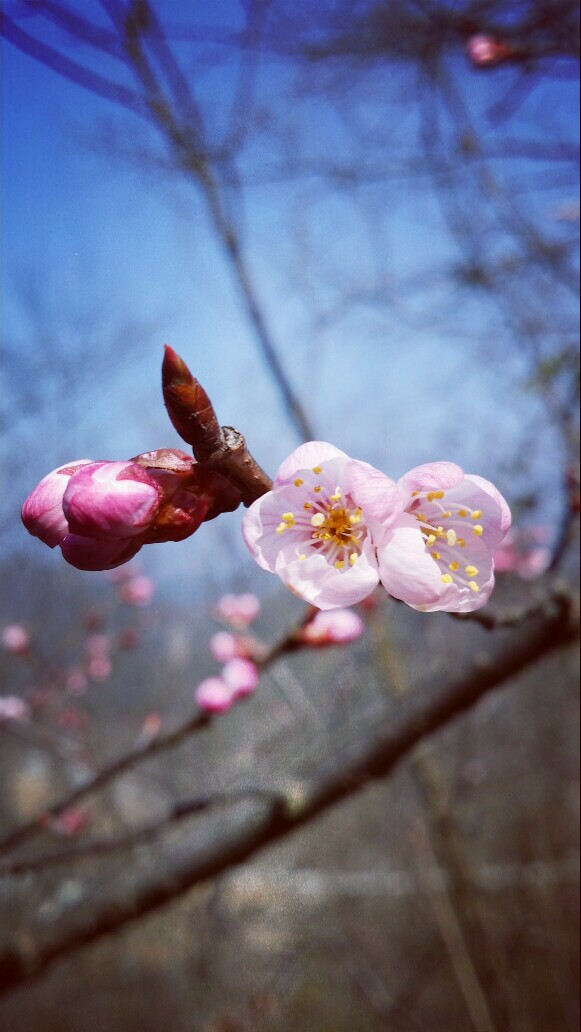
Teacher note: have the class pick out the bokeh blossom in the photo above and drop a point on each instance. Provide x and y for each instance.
(13, 708)
(487, 51)
(237, 610)
(333, 527)
(15, 639)
(337, 627)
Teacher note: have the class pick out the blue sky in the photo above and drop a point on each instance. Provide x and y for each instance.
(117, 250)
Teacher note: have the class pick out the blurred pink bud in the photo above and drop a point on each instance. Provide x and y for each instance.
(137, 591)
(214, 695)
(241, 676)
(522, 553)
(151, 725)
(486, 51)
(99, 668)
(42, 512)
(16, 639)
(72, 719)
(129, 639)
(238, 610)
(13, 708)
(76, 682)
(106, 500)
(69, 823)
(333, 627)
(223, 646)
(98, 645)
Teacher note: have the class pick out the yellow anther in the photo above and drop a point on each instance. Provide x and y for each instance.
(461, 543)
(318, 488)
(446, 515)
(303, 556)
(318, 519)
(288, 517)
(473, 585)
(431, 540)
(447, 578)
(340, 564)
(416, 493)
(281, 528)
(454, 566)
(307, 506)
(478, 530)
(430, 496)
(436, 555)
(451, 537)
(299, 482)
(476, 514)
(471, 571)
(337, 496)
(439, 494)
(355, 517)
(462, 512)
(327, 536)
(317, 469)
(440, 530)
(353, 558)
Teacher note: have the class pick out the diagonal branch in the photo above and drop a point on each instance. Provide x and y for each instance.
(365, 760)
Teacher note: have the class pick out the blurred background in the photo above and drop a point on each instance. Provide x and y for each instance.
(357, 222)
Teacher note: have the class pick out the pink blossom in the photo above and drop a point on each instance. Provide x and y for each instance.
(137, 591)
(338, 627)
(241, 676)
(111, 500)
(42, 512)
(486, 51)
(16, 639)
(314, 529)
(237, 610)
(225, 646)
(13, 708)
(523, 552)
(438, 555)
(69, 823)
(99, 668)
(214, 695)
(333, 527)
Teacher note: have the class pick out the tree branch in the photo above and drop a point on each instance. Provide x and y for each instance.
(366, 759)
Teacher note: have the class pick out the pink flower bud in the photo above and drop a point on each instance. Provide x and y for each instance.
(69, 823)
(76, 682)
(98, 645)
(13, 708)
(87, 553)
(223, 646)
(238, 610)
(486, 51)
(214, 695)
(334, 627)
(106, 500)
(99, 668)
(241, 676)
(42, 512)
(16, 639)
(137, 591)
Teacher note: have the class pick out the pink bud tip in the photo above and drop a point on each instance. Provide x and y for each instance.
(13, 708)
(138, 591)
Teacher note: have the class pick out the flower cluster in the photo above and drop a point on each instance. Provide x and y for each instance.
(102, 513)
(333, 527)
(239, 677)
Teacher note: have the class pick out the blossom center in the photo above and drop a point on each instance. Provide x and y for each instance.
(448, 529)
(326, 520)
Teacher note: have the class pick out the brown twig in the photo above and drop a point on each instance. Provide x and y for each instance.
(365, 760)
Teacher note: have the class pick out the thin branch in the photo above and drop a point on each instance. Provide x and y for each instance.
(69, 69)
(364, 761)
